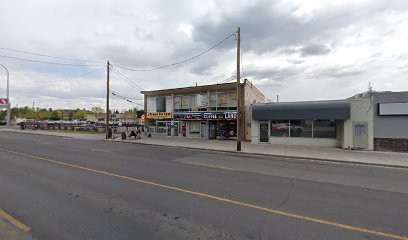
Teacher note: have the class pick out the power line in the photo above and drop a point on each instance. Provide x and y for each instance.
(124, 98)
(177, 63)
(55, 63)
(229, 79)
(132, 98)
(74, 77)
(44, 55)
(123, 76)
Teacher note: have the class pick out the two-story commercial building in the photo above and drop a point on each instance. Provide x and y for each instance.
(208, 111)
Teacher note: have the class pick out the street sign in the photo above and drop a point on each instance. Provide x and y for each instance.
(3, 101)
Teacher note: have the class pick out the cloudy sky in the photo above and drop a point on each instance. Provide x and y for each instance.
(301, 50)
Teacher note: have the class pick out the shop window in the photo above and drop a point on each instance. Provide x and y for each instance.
(324, 129)
(227, 129)
(279, 128)
(301, 128)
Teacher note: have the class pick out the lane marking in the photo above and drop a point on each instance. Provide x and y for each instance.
(221, 199)
(14, 221)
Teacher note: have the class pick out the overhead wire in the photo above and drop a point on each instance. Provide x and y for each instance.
(49, 56)
(54, 63)
(74, 77)
(123, 76)
(180, 62)
(124, 98)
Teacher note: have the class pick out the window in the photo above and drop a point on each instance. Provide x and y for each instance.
(161, 104)
(176, 104)
(324, 129)
(280, 128)
(303, 128)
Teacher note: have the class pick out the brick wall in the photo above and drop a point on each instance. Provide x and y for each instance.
(391, 144)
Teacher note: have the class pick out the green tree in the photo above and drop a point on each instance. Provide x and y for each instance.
(54, 115)
(80, 114)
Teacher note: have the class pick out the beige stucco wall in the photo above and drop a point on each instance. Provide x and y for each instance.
(361, 110)
(251, 95)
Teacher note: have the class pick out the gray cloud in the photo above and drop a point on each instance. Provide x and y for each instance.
(314, 49)
(275, 76)
(266, 27)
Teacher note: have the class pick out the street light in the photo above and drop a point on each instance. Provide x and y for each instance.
(8, 96)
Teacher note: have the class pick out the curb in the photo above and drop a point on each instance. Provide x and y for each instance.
(273, 155)
(299, 158)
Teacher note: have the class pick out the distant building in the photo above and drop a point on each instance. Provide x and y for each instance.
(208, 111)
(371, 121)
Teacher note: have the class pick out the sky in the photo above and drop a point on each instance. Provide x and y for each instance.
(299, 50)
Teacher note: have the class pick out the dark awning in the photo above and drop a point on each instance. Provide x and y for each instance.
(336, 110)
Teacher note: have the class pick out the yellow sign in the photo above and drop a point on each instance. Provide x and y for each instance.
(158, 115)
(143, 118)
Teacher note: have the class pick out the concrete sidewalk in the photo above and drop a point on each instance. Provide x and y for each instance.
(389, 159)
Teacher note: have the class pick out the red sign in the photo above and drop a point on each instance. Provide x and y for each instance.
(3, 101)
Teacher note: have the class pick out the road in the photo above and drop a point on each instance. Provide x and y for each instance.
(78, 189)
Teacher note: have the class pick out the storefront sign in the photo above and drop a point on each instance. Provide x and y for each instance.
(158, 115)
(205, 115)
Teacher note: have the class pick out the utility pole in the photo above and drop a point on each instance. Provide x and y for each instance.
(107, 100)
(238, 90)
(8, 96)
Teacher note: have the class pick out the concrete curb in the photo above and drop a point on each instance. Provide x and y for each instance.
(274, 155)
(238, 153)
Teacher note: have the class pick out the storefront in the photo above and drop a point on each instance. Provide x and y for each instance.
(158, 122)
(300, 123)
(207, 125)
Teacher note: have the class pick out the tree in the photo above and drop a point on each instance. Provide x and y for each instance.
(80, 114)
(54, 115)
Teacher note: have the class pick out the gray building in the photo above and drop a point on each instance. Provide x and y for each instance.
(370, 121)
(390, 121)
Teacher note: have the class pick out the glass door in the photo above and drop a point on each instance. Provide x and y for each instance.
(263, 132)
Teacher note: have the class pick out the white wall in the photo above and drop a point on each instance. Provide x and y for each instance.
(254, 131)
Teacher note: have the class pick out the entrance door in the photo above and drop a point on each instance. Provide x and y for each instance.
(176, 129)
(263, 132)
(204, 130)
(360, 135)
(213, 129)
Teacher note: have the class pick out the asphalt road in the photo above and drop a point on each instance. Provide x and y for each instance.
(78, 189)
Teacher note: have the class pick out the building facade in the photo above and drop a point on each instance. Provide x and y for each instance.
(208, 111)
(369, 121)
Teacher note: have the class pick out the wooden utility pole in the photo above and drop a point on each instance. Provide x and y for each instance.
(238, 90)
(107, 101)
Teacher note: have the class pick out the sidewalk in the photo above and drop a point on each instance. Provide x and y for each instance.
(389, 159)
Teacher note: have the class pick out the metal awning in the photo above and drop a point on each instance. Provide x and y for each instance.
(335, 110)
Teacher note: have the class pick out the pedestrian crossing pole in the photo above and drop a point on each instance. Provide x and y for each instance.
(238, 90)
